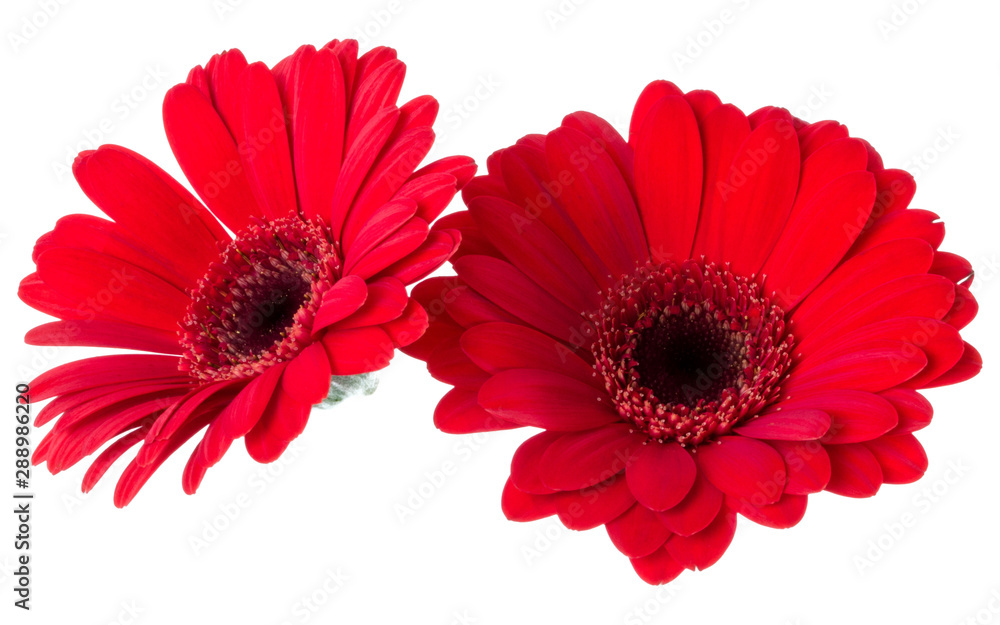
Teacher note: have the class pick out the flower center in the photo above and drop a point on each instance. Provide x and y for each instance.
(689, 350)
(255, 305)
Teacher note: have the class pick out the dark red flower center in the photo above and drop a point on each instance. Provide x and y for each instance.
(689, 350)
(255, 305)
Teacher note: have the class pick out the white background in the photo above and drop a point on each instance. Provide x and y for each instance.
(333, 509)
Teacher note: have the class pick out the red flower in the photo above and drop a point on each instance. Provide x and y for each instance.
(312, 165)
(721, 316)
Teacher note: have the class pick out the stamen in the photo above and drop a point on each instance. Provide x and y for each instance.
(255, 305)
(689, 350)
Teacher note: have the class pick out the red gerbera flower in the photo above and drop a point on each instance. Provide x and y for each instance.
(721, 316)
(295, 272)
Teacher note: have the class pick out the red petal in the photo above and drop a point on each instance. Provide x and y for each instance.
(914, 410)
(409, 326)
(498, 346)
(109, 456)
(522, 507)
(386, 301)
(527, 179)
(547, 400)
(812, 245)
(854, 471)
(307, 377)
(470, 309)
(696, 511)
(964, 310)
(744, 468)
(911, 296)
(376, 88)
(358, 159)
(859, 275)
(831, 161)
(224, 72)
(953, 267)
(267, 155)
(147, 202)
(432, 193)
(668, 177)
(756, 197)
(361, 350)
(784, 513)
(702, 550)
(319, 123)
(807, 464)
(399, 158)
(895, 190)
(407, 239)
(596, 505)
(702, 102)
(534, 249)
(340, 301)
(87, 232)
(459, 412)
(605, 134)
(904, 224)
(101, 371)
(113, 288)
(651, 94)
(449, 364)
(637, 533)
(439, 246)
(661, 475)
(901, 457)
(581, 459)
(787, 425)
(524, 466)
(596, 197)
(657, 568)
(283, 420)
(208, 156)
(240, 416)
(967, 367)
(723, 132)
(875, 368)
(380, 226)
(510, 289)
(98, 333)
(855, 415)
